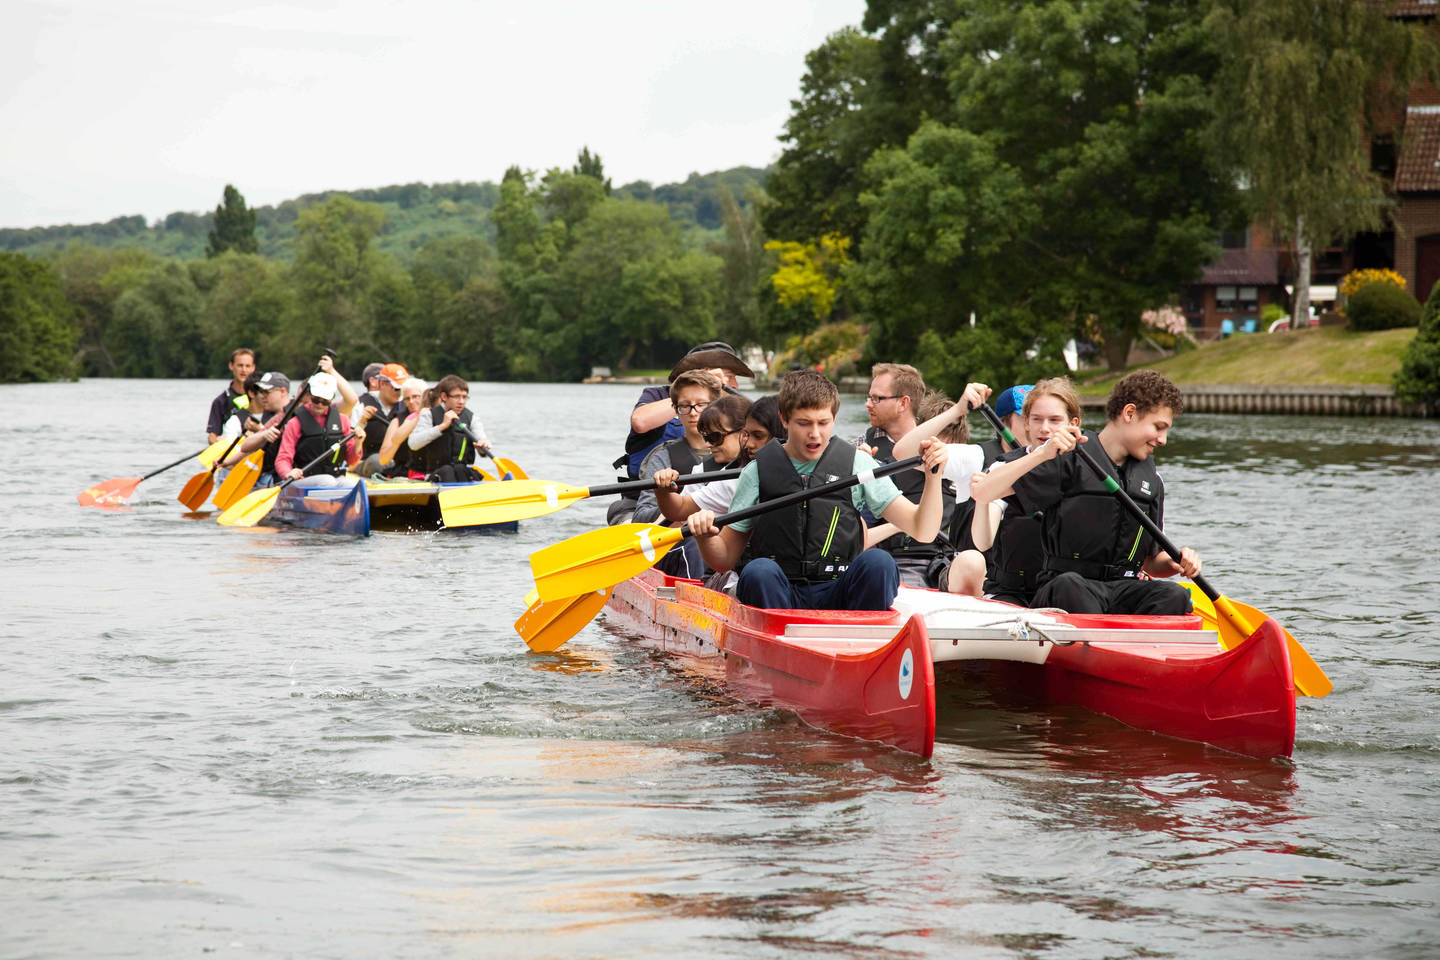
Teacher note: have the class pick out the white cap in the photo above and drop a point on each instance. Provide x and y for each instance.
(322, 386)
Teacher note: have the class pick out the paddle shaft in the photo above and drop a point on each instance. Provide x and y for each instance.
(630, 486)
(765, 506)
(177, 463)
(249, 415)
(483, 449)
(329, 452)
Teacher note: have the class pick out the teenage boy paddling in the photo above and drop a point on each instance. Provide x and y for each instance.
(1094, 549)
(811, 555)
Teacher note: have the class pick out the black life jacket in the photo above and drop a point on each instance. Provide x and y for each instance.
(959, 532)
(682, 458)
(451, 446)
(912, 484)
(1090, 532)
(1018, 554)
(315, 439)
(379, 422)
(267, 463)
(815, 540)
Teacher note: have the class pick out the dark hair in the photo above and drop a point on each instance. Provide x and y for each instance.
(252, 382)
(766, 412)
(726, 413)
(450, 383)
(239, 350)
(1146, 389)
(807, 390)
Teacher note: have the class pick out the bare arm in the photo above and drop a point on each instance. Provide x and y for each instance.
(719, 547)
(974, 395)
(922, 520)
(648, 416)
(879, 532)
(999, 483)
(986, 517)
(396, 434)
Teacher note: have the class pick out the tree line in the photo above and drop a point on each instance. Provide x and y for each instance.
(964, 185)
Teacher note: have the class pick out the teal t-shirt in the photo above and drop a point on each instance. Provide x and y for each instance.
(877, 494)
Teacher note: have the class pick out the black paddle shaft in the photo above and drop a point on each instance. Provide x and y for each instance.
(766, 506)
(176, 463)
(1151, 527)
(685, 480)
(483, 449)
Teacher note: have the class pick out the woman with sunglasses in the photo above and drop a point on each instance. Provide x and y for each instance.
(315, 427)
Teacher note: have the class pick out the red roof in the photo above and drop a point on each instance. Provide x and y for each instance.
(1419, 167)
(1256, 268)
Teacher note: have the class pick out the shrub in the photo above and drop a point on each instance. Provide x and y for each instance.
(1353, 281)
(1418, 379)
(1382, 306)
(1271, 313)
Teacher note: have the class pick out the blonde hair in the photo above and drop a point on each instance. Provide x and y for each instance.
(1061, 389)
(905, 381)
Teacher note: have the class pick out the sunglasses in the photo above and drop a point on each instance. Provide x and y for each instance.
(715, 438)
(316, 401)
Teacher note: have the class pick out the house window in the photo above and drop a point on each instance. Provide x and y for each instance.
(1248, 297)
(1225, 299)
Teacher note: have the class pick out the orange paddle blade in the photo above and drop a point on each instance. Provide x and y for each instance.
(240, 480)
(545, 625)
(1236, 621)
(109, 493)
(197, 490)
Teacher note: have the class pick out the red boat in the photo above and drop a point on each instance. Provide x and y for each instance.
(872, 674)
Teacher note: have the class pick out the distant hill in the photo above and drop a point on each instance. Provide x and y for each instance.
(414, 213)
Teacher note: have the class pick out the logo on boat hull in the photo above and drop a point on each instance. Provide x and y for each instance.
(907, 673)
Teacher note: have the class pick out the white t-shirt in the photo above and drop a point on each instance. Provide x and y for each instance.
(714, 496)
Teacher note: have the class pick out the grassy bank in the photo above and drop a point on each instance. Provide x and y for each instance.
(1321, 356)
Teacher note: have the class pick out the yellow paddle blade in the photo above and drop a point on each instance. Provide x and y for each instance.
(504, 501)
(545, 625)
(210, 454)
(1236, 621)
(240, 480)
(506, 465)
(197, 490)
(599, 559)
(250, 509)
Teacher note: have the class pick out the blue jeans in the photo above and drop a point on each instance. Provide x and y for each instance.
(870, 584)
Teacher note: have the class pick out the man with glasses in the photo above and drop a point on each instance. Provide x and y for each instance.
(316, 425)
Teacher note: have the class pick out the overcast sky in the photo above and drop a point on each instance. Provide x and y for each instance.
(117, 107)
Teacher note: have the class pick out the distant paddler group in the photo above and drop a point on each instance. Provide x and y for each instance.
(265, 441)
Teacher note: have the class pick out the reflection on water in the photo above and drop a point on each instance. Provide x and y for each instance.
(250, 740)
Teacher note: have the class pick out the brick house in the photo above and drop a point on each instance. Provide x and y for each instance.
(1252, 271)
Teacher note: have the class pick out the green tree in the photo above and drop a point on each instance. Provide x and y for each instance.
(633, 288)
(589, 165)
(1301, 89)
(247, 301)
(234, 226)
(743, 268)
(1418, 379)
(37, 327)
(334, 274)
(155, 327)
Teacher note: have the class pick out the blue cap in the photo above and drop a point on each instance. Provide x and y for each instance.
(1013, 400)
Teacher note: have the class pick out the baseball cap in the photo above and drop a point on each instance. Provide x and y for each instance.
(322, 386)
(395, 373)
(1013, 400)
(273, 380)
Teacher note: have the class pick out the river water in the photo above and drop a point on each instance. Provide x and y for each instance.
(269, 743)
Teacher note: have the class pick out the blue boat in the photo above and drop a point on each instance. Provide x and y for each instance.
(344, 510)
(350, 509)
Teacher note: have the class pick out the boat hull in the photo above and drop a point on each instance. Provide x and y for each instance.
(343, 510)
(842, 671)
(414, 505)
